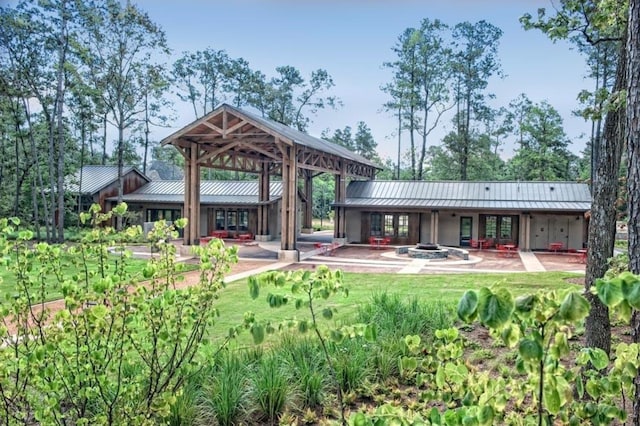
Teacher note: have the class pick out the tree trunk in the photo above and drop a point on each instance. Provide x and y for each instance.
(146, 133)
(40, 185)
(633, 167)
(104, 139)
(602, 224)
(52, 177)
(120, 166)
(399, 140)
(60, 89)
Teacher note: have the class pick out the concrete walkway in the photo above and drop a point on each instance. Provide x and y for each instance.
(531, 262)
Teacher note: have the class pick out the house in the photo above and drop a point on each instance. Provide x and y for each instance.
(530, 215)
(97, 184)
(230, 206)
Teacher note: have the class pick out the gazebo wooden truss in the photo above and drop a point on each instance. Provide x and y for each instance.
(229, 138)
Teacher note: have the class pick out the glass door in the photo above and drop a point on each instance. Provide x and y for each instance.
(466, 225)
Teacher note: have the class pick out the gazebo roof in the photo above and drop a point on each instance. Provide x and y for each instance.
(235, 139)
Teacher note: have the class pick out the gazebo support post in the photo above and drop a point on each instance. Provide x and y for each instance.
(307, 214)
(262, 233)
(288, 249)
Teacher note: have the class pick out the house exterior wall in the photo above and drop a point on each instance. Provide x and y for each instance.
(449, 229)
(563, 228)
(353, 226)
(530, 230)
(131, 181)
(425, 227)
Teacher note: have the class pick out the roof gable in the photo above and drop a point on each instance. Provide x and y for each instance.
(96, 177)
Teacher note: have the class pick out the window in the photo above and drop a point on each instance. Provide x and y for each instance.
(243, 220)
(503, 228)
(388, 225)
(376, 224)
(232, 220)
(169, 215)
(220, 219)
(403, 225)
(490, 226)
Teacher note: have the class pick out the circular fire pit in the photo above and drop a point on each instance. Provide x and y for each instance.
(428, 251)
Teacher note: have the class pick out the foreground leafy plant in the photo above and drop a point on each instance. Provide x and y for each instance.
(120, 348)
(306, 288)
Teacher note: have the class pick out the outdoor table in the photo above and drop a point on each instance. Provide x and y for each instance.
(481, 243)
(583, 255)
(245, 237)
(378, 241)
(510, 249)
(219, 234)
(554, 247)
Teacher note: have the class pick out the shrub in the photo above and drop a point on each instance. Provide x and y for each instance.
(119, 350)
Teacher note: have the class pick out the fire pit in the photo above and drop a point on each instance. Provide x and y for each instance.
(428, 251)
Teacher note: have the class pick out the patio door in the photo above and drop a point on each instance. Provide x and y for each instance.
(466, 225)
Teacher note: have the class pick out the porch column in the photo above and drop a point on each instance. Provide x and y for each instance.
(307, 214)
(262, 233)
(289, 203)
(340, 228)
(192, 197)
(435, 219)
(525, 232)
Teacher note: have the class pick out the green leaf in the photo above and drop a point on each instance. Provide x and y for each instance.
(598, 358)
(468, 305)
(412, 342)
(552, 400)
(524, 304)
(495, 309)
(303, 326)
(610, 291)
(631, 291)
(337, 336)
(327, 313)
(257, 332)
(485, 416)
(370, 333)
(530, 350)
(574, 307)
(254, 287)
(99, 311)
(624, 311)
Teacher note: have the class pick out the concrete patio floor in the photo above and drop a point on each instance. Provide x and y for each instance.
(361, 258)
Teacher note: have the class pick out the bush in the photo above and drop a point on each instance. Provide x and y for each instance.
(120, 348)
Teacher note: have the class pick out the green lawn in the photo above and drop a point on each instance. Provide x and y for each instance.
(442, 288)
(134, 266)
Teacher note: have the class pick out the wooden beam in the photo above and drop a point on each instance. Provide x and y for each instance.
(218, 151)
(213, 127)
(235, 127)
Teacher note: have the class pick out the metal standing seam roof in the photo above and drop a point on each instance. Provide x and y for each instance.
(557, 196)
(95, 178)
(211, 192)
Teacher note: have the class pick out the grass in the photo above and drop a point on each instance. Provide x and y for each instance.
(445, 289)
(134, 266)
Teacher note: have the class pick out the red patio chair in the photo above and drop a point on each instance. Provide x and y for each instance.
(473, 243)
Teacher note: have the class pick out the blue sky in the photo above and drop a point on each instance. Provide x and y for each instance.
(351, 39)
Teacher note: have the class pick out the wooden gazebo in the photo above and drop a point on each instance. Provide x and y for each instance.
(229, 138)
